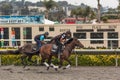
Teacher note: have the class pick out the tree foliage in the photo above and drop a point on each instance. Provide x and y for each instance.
(86, 12)
(6, 9)
(25, 10)
(48, 4)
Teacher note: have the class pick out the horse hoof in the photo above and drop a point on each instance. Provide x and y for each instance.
(51, 66)
(26, 69)
(47, 68)
(56, 69)
(60, 66)
(64, 68)
(24, 66)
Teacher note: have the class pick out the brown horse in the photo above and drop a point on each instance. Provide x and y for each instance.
(46, 53)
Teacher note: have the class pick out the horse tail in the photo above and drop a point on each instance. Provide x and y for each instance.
(16, 52)
(33, 52)
(13, 51)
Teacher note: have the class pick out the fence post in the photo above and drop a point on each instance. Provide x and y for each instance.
(0, 60)
(111, 44)
(116, 59)
(76, 59)
(38, 61)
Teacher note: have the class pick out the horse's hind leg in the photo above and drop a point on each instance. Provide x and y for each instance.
(30, 59)
(23, 60)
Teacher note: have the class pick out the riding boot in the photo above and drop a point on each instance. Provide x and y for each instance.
(34, 49)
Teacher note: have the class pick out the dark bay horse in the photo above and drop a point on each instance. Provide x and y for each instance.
(26, 51)
(46, 53)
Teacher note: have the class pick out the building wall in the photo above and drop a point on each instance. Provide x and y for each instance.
(85, 30)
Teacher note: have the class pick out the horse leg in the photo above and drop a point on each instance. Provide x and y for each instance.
(30, 59)
(68, 66)
(47, 65)
(22, 59)
(61, 62)
(44, 63)
(49, 62)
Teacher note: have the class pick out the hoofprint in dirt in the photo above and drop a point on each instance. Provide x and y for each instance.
(74, 73)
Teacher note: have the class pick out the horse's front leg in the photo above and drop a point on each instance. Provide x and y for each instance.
(68, 66)
(51, 64)
(61, 62)
(44, 63)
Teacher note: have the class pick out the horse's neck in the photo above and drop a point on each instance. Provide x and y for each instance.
(70, 46)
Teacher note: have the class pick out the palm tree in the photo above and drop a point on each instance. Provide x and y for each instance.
(83, 12)
(76, 12)
(118, 8)
(98, 10)
(48, 4)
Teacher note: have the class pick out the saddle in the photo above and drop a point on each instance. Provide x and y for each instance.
(35, 47)
(54, 48)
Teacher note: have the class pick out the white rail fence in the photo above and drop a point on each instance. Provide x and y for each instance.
(110, 51)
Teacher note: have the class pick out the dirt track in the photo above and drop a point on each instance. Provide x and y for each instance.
(40, 73)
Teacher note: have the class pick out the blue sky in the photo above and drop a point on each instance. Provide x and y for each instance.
(92, 3)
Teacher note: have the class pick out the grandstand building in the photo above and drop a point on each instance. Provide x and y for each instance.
(91, 35)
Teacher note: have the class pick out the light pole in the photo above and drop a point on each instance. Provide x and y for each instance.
(98, 11)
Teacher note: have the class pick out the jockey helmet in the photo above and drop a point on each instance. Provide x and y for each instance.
(46, 33)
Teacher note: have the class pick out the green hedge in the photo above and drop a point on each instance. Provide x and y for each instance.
(83, 60)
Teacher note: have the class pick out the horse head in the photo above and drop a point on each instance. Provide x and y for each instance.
(78, 43)
(75, 42)
(68, 34)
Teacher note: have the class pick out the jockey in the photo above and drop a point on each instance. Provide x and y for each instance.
(67, 35)
(40, 38)
(60, 42)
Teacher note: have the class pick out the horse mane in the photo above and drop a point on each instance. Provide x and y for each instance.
(69, 41)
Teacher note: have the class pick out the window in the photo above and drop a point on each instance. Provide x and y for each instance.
(51, 28)
(6, 33)
(84, 30)
(96, 36)
(64, 30)
(80, 35)
(17, 36)
(27, 33)
(41, 28)
(112, 35)
(112, 43)
(17, 33)
(103, 30)
(6, 36)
